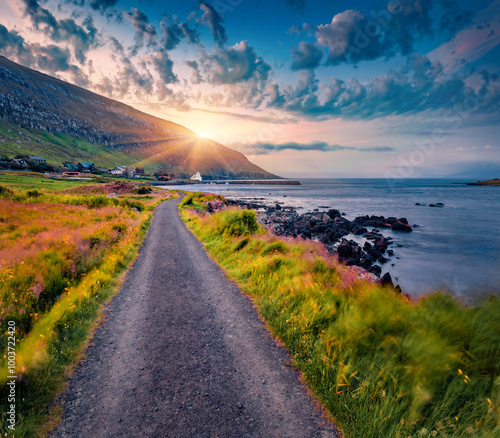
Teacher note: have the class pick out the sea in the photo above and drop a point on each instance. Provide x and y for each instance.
(454, 249)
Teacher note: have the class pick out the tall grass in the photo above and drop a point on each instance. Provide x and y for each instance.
(60, 259)
(382, 365)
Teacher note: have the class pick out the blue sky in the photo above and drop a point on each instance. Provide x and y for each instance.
(405, 88)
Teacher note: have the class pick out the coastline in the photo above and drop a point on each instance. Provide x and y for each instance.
(355, 243)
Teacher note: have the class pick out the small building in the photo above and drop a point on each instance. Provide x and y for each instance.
(196, 177)
(72, 167)
(85, 166)
(139, 171)
(162, 175)
(36, 159)
(118, 171)
(20, 162)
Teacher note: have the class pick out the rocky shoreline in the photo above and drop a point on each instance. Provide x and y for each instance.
(333, 230)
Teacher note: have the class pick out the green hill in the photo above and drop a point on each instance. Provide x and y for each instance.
(42, 115)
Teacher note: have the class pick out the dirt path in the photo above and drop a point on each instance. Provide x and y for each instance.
(184, 354)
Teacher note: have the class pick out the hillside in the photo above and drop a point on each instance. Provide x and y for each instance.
(41, 115)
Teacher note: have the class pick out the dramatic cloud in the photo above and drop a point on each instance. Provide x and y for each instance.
(417, 87)
(51, 58)
(83, 38)
(306, 56)
(164, 66)
(102, 5)
(352, 36)
(173, 33)
(235, 64)
(11, 43)
(266, 148)
(196, 76)
(318, 146)
(143, 29)
(129, 80)
(214, 21)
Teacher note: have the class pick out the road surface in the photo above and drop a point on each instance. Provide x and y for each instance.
(183, 353)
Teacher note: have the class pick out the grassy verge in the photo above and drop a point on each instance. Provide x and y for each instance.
(382, 365)
(61, 258)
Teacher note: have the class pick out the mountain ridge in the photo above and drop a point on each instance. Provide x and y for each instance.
(37, 103)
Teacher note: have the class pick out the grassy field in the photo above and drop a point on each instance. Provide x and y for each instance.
(382, 365)
(34, 180)
(62, 255)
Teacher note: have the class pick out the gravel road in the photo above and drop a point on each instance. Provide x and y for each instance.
(183, 353)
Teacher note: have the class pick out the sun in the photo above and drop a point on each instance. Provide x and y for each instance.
(202, 135)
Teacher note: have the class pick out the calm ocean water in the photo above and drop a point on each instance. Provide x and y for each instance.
(455, 248)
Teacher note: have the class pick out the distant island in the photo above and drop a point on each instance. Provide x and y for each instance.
(491, 182)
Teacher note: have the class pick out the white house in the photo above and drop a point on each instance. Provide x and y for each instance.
(118, 171)
(196, 177)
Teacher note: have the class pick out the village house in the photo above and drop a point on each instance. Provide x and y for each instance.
(36, 159)
(72, 167)
(85, 166)
(118, 171)
(21, 162)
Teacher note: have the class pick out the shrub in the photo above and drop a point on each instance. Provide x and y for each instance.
(97, 201)
(33, 193)
(144, 190)
(5, 192)
(237, 223)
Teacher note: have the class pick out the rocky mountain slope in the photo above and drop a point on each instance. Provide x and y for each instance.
(45, 116)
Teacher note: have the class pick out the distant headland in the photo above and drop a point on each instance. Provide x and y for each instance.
(491, 182)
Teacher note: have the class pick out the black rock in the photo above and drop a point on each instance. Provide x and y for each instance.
(345, 250)
(439, 204)
(333, 213)
(382, 259)
(369, 258)
(278, 207)
(431, 205)
(386, 280)
(367, 246)
(390, 252)
(332, 238)
(400, 226)
(403, 220)
(376, 269)
(305, 233)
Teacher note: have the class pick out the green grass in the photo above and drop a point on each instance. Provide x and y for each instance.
(61, 258)
(34, 180)
(382, 365)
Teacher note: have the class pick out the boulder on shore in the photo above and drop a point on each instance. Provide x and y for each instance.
(400, 226)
